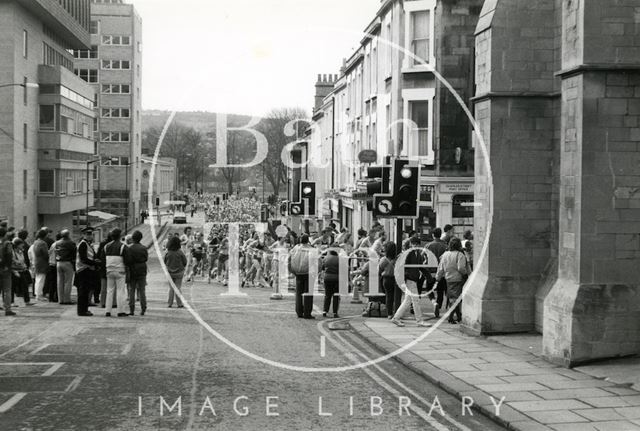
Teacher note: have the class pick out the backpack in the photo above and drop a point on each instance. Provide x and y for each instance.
(300, 260)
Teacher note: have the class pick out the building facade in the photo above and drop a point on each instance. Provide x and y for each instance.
(164, 182)
(387, 98)
(558, 101)
(46, 138)
(113, 66)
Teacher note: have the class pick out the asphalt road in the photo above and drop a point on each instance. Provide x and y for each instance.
(62, 372)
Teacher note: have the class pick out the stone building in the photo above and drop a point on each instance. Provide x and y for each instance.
(46, 136)
(558, 103)
(388, 99)
(113, 66)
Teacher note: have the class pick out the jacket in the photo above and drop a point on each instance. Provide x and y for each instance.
(6, 256)
(415, 257)
(116, 255)
(331, 266)
(138, 266)
(453, 266)
(65, 251)
(176, 261)
(86, 257)
(41, 256)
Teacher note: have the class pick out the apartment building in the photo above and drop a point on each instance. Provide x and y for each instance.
(46, 113)
(388, 99)
(164, 171)
(113, 66)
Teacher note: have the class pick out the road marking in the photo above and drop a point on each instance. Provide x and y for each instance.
(396, 382)
(74, 384)
(15, 399)
(44, 346)
(323, 346)
(127, 349)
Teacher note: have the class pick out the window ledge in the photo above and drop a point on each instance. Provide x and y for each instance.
(417, 69)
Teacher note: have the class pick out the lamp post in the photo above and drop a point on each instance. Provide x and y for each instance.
(89, 162)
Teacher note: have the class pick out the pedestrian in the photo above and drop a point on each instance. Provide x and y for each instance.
(21, 279)
(66, 251)
(176, 262)
(51, 280)
(116, 258)
(393, 293)
(412, 278)
(138, 274)
(101, 295)
(23, 234)
(438, 247)
(454, 268)
(331, 267)
(299, 266)
(40, 262)
(362, 234)
(467, 246)
(86, 271)
(6, 261)
(448, 234)
(378, 244)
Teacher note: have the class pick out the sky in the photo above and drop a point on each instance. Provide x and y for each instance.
(244, 56)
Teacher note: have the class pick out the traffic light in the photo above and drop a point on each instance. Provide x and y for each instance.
(381, 176)
(264, 213)
(406, 189)
(401, 201)
(284, 206)
(157, 202)
(217, 200)
(306, 207)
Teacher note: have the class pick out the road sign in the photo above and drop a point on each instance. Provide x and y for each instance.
(384, 206)
(368, 156)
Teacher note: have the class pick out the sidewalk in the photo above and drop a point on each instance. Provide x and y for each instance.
(145, 229)
(538, 395)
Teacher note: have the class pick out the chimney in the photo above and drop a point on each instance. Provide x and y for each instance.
(324, 86)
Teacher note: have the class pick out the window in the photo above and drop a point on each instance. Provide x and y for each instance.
(116, 64)
(47, 117)
(420, 31)
(25, 43)
(116, 89)
(25, 138)
(94, 27)
(116, 40)
(86, 54)
(47, 181)
(115, 113)
(114, 137)
(139, 46)
(419, 133)
(89, 75)
(25, 176)
(115, 161)
(24, 90)
(52, 57)
(75, 97)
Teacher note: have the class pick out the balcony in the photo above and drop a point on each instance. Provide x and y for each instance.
(55, 205)
(53, 141)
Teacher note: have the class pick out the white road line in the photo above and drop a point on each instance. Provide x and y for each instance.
(56, 366)
(396, 382)
(15, 399)
(74, 384)
(2, 355)
(127, 349)
(323, 346)
(39, 349)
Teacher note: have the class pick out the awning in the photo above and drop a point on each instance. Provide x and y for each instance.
(102, 215)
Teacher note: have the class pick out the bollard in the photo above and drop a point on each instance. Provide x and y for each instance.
(355, 299)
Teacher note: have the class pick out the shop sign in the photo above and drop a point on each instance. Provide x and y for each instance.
(457, 188)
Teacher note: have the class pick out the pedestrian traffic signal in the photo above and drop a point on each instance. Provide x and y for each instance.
(406, 189)
(264, 213)
(157, 202)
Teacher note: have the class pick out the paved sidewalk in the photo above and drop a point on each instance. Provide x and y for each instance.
(538, 395)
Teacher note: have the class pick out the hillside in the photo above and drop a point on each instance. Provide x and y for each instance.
(201, 121)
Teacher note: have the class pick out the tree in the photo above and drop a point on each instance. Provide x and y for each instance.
(185, 144)
(273, 128)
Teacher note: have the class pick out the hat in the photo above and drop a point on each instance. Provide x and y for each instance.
(88, 229)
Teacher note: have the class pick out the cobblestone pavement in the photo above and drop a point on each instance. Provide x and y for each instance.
(62, 372)
(537, 394)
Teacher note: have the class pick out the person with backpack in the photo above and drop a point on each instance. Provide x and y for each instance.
(412, 278)
(6, 262)
(117, 259)
(299, 266)
(454, 268)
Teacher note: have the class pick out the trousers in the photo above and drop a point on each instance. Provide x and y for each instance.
(65, 281)
(116, 283)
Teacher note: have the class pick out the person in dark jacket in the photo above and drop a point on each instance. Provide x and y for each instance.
(137, 273)
(86, 271)
(6, 261)
(66, 251)
(438, 247)
(100, 295)
(41, 262)
(331, 267)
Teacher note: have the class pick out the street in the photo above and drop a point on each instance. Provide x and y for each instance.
(164, 371)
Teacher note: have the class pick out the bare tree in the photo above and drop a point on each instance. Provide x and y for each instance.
(273, 128)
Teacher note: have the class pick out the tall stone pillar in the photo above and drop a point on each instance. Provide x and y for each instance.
(517, 97)
(593, 310)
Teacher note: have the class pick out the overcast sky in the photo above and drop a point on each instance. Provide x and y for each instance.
(244, 56)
